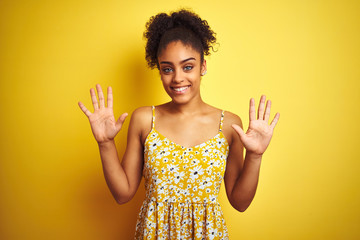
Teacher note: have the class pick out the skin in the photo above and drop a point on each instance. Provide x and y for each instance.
(186, 120)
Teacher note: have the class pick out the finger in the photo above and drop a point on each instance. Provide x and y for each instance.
(252, 114)
(84, 109)
(109, 97)
(121, 120)
(261, 107)
(239, 130)
(267, 111)
(275, 120)
(94, 99)
(101, 96)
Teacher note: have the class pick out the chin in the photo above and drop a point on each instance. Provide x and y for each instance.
(180, 101)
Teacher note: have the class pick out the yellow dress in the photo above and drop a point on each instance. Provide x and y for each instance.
(182, 186)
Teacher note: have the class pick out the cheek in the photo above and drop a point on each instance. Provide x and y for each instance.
(164, 79)
(166, 83)
(196, 77)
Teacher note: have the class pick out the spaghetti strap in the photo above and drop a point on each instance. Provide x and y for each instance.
(221, 120)
(153, 117)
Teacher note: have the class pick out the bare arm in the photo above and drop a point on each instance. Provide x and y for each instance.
(241, 180)
(241, 177)
(122, 179)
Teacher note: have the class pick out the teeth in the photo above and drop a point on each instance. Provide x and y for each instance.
(180, 89)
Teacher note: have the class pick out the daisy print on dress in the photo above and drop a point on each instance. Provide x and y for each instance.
(182, 187)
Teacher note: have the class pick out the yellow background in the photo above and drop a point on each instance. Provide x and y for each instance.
(304, 55)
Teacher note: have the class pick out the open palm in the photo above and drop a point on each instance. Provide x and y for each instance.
(102, 120)
(258, 136)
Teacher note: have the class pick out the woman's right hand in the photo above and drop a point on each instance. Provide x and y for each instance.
(102, 120)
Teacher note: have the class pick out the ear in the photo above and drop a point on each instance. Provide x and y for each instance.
(203, 68)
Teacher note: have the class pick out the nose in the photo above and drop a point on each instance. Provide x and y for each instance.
(178, 77)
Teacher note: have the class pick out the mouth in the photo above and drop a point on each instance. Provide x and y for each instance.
(180, 89)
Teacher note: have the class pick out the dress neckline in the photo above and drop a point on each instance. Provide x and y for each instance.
(220, 134)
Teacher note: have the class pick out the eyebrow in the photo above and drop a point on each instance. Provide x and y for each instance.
(185, 60)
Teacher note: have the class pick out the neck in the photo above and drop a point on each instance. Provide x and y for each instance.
(192, 107)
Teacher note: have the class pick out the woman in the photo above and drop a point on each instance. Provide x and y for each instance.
(183, 148)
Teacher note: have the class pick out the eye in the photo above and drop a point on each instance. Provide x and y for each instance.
(188, 68)
(167, 70)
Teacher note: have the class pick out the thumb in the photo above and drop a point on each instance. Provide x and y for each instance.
(121, 120)
(239, 130)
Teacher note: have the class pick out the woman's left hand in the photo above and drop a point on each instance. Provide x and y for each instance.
(258, 136)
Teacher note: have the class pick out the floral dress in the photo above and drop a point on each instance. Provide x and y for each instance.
(182, 186)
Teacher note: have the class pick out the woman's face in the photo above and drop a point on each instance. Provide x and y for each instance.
(180, 70)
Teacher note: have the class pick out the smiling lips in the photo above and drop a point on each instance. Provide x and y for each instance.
(180, 89)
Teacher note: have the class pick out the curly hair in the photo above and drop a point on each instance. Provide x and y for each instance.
(182, 25)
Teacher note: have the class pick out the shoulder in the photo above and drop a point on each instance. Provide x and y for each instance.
(231, 118)
(229, 132)
(142, 112)
(141, 120)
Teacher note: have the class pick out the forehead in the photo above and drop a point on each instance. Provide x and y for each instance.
(178, 51)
